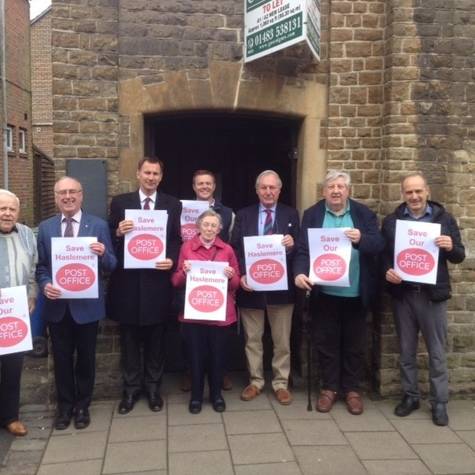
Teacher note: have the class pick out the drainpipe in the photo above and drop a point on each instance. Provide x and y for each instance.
(3, 72)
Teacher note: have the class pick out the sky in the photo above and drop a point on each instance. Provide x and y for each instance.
(37, 6)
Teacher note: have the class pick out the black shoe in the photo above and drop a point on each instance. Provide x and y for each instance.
(62, 420)
(219, 405)
(406, 406)
(127, 404)
(82, 418)
(155, 402)
(195, 407)
(439, 414)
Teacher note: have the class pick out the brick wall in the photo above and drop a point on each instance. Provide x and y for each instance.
(19, 103)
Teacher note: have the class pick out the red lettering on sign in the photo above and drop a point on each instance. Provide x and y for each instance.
(329, 267)
(188, 231)
(145, 247)
(12, 331)
(415, 261)
(75, 277)
(206, 298)
(266, 271)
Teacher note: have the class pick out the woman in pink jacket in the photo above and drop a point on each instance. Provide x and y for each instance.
(206, 339)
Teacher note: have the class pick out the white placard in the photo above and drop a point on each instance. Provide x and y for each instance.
(206, 291)
(266, 266)
(146, 244)
(74, 267)
(15, 330)
(330, 255)
(189, 214)
(416, 256)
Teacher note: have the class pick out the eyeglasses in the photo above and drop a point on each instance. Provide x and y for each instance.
(68, 192)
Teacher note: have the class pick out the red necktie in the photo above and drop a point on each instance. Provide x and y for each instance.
(268, 222)
(147, 203)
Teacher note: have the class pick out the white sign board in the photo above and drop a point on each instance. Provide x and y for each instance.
(15, 331)
(330, 255)
(189, 214)
(206, 291)
(146, 244)
(266, 266)
(416, 256)
(74, 267)
(271, 25)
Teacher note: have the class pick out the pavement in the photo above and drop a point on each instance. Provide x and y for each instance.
(259, 437)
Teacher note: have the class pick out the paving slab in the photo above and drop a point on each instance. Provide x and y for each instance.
(468, 436)
(298, 410)
(328, 460)
(135, 456)
(101, 415)
(425, 432)
(387, 408)
(284, 468)
(138, 428)
(380, 445)
(371, 420)
(200, 437)
(447, 458)
(178, 414)
(251, 422)
(396, 467)
(260, 403)
(324, 432)
(140, 409)
(200, 463)
(75, 446)
(86, 467)
(259, 448)
(461, 415)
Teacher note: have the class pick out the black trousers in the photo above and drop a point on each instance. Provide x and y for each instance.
(340, 335)
(206, 346)
(132, 339)
(74, 355)
(10, 377)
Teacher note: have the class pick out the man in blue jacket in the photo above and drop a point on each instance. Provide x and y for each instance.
(339, 313)
(422, 307)
(72, 323)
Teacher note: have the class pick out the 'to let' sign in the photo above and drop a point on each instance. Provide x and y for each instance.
(12, 331)
(415, 261)
(329, 267)
(145, 247)
(75, 277)
(206, 298)
(267, 271)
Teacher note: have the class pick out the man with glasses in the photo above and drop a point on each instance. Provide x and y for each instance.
(267, 217)
(72, 323)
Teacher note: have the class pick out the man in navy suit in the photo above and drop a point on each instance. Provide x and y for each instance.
(267, 217)
(72, 322)
(139, 299)
(339, 313)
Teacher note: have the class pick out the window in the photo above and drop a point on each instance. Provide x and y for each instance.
(22, 141)
(9, 138)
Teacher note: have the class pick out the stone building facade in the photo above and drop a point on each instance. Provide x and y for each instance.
(394, 92)
(17, 87)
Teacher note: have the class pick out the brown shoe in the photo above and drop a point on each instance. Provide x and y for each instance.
(17, 428)
(325, 401)
(250, 392)
(354, 403)
(227, 383)
(284, 396)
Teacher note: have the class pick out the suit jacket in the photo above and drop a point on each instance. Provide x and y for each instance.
(142, 296)
(82, 310)
(247, 224)
(369, 247)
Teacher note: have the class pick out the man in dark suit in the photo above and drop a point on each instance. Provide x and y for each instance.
(339, 313)
(267, 217)
(72, 322)
(139, 299)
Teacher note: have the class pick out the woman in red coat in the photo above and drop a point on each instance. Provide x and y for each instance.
(206, 339)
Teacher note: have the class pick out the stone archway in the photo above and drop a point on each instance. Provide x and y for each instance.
(224, 87)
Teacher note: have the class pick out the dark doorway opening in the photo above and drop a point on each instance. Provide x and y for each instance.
(236, 147)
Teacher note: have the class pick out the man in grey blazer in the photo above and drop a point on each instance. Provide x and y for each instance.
(72, 323)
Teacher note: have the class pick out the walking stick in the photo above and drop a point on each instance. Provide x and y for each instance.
(308, 328)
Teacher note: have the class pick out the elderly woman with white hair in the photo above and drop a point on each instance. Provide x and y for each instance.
(18, 257)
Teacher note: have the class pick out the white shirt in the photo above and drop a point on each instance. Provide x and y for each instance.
(76, 221)
(143, 197)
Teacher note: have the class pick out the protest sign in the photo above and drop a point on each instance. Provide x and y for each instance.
(15, 330)
(266, 266)
(330, 255)
(189, 214)
(415, 254)
(74, 267)
(146, 243)
(206, 291)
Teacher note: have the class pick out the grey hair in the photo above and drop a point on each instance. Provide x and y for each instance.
(10, 195)
(68, 178)
(335, 174)
(268, 172)
(209, 212)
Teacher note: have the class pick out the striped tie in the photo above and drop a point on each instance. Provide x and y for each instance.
(268, 222)
(147, 203)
